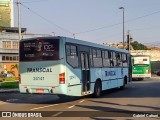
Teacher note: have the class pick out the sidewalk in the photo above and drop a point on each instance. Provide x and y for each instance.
(9, 90)
(155, 76)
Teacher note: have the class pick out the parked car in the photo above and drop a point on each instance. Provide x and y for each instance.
(157, 72)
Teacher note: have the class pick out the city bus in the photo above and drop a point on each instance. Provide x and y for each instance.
(71, 67)
(141, 67)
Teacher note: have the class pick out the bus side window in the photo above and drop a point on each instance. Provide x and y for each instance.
(125, 60)
(106, 58)
(91, 57)
(73, 50)
(114, 61)
(97, 58)
(68, 52)
(72, 56)
(111, 60)
(94, 52)
(119, 59)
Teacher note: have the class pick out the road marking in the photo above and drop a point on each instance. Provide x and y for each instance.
(11, 100)
(81, 101)
(43, 107)
(71, 107)
(55, 115)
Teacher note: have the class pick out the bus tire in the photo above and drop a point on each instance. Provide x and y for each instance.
(97, 89)
(124, 83)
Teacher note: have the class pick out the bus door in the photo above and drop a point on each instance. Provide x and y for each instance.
(85, 72)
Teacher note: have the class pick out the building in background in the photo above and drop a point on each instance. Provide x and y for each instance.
(119, 45)
(9, 49)
(6, 13)
(9, 39)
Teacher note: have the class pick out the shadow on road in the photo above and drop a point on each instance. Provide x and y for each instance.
(112, 112)
(18, 98)
(130, 105)
(138, 89)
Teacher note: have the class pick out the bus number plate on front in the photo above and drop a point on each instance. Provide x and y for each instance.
(39, 90)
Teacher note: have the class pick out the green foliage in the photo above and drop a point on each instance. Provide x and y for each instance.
(138, 46)
(9, 79)
(9, 85)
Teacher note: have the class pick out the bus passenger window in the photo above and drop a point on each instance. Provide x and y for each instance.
(97, 58)
(113, 59)
(106, 60)
(72, 57)
(68, 52)
(124, 60)
(94, 53)
(119, 59)
(90, 57)
(73, 50)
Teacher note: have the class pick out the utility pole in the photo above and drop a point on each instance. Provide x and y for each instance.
(19, 19)
(123, 25)
(129, 41)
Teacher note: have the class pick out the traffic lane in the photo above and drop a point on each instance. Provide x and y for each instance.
(132, 90)
(140, 95)
(134, 97)
(34, 98)
(147, 88)
(25, 102)
(109, 102)
(26, 98)
(60, 106)
(140, 86)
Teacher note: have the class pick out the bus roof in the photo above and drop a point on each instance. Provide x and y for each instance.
(81, 42)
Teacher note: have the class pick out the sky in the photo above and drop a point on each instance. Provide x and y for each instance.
(98, 21)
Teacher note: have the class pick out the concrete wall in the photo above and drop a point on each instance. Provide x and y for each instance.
(155, 65)
(155, 54)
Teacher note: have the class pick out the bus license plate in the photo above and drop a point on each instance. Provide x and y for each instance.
(39, 90)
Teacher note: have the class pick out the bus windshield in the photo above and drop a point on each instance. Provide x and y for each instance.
(141, 61)
(39, 50)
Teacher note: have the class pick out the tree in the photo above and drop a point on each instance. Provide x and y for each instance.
(138, 46)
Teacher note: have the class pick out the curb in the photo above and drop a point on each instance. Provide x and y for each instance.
(9, 90)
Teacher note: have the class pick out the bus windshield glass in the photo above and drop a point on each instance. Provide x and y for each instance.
(141, 61)
(39, 50)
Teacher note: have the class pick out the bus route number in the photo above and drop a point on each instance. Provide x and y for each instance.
(38, 78)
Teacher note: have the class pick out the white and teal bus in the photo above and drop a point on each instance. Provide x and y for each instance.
(66, 66)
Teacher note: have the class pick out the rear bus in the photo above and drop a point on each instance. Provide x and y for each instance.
(141, 67)
(41, 66)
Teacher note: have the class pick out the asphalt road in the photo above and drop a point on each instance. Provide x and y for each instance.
(138, 98)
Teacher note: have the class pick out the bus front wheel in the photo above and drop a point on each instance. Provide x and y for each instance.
(97, 89)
